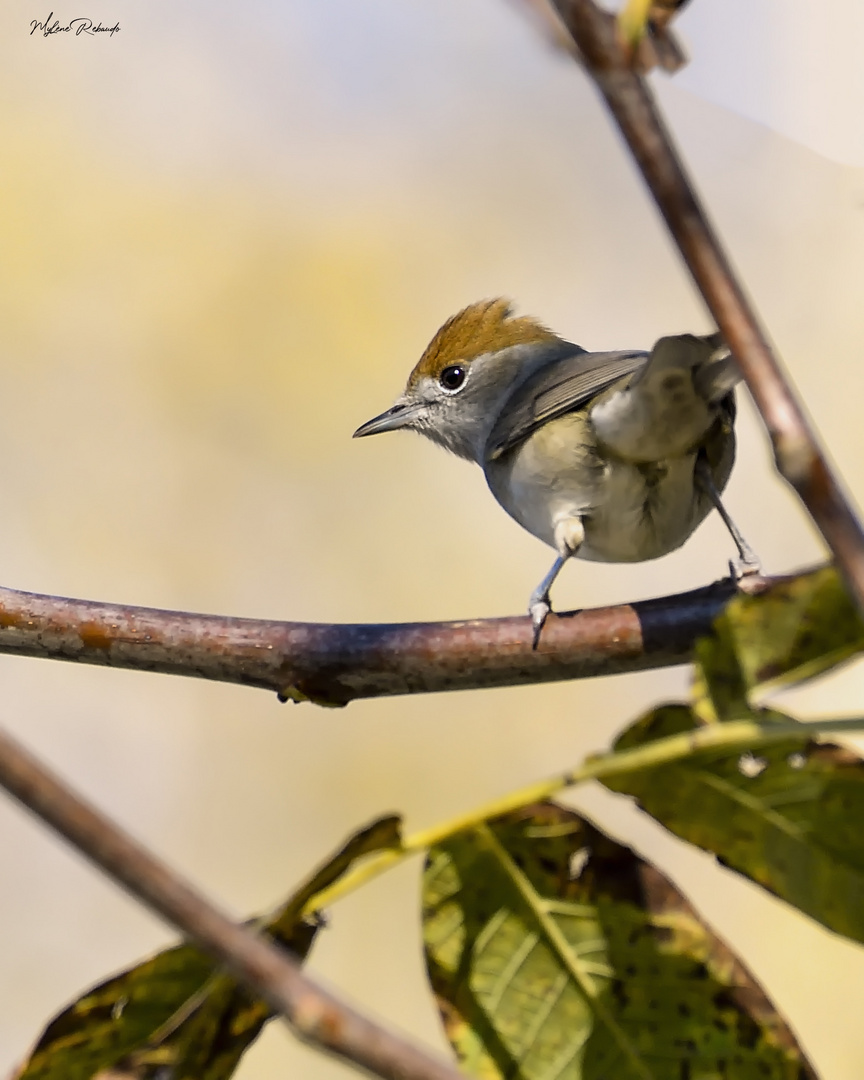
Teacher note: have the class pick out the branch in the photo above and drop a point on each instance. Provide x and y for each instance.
(332, 664)
(799, 458)
(317, 1016)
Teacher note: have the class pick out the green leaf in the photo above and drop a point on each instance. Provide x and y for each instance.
(557, 954)
(114, 1018)
(179, 1010)
(793, 631)
(788, 817)
(720, 690)
(383, 834)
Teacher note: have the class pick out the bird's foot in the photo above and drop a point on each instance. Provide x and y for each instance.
(538, 609)
(747, 566)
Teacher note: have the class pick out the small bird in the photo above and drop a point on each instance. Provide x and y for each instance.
(609, 456)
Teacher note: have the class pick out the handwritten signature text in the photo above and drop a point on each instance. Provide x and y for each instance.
(75, 26)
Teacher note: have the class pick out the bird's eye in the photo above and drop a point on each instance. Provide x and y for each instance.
(451, 378)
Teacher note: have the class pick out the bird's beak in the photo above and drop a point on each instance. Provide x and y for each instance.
(402, 414)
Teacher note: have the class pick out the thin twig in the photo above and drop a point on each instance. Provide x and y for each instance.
(334, 664)
(731, 736)
(316, 1015)
(799, 458)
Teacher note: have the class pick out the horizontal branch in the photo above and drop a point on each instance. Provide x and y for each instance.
(316, 1015)
(333, 664)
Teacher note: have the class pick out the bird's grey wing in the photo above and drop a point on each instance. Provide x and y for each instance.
(556, 389)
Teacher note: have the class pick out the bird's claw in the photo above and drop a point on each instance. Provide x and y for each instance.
(538, 610)
(747, 566)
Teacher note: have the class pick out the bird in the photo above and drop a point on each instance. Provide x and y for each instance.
(604, 456)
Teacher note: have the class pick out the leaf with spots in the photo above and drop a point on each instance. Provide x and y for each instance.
(787, 817)
(557, 954)
(179, 1015)
(795, 630)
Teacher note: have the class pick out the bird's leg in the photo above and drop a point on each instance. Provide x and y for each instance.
(569, 535)
(539, 605)
(748, 562)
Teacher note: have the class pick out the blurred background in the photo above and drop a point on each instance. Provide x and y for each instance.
(228, 234)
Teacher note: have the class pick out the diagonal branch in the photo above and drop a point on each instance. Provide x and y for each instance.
(315, 1014)
(336, 663)
(799, 458)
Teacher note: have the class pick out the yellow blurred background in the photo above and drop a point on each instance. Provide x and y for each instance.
(226, 237)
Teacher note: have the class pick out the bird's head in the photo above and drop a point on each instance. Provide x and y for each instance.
(470, 367)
